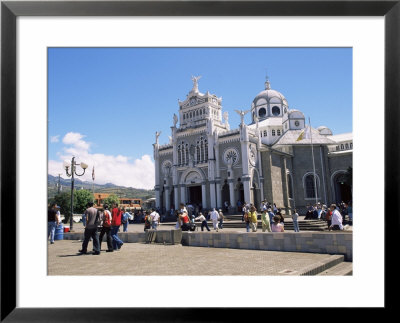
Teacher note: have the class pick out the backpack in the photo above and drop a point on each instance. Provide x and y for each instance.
(147, 220)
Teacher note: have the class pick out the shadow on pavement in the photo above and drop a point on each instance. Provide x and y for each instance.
(76, 255)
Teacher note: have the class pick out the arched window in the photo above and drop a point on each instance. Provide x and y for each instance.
(290, 186)
(310, 186)
(341, 146)
(202, 150)
(273, 132)
(179, 155)
(183, 153)
(337, 147)
(186, 157)
(198, 151)
(276, 111)
(265, 133)
(262, 112)
(351, 145)
(347, 146)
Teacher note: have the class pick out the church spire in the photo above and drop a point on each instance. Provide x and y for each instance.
(267, 83)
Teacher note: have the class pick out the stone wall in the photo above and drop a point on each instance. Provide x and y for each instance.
(337, 243)
(315, 242)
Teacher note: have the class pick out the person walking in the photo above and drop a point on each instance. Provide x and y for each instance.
(253, 218)
(337, 220)
(221, 219)
(83, 220)
(115, 224)
(295, 217)
(244, 211)
(271, 215)
(276, 226)
(265, 221)
(214, 219)
(350, 212)
(125, 219)
(155, 219)
(92, 221)
(106, 229)
(147, 221)
(203, 222)
(52, 221)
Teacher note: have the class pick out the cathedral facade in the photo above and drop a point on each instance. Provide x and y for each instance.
(277, 157)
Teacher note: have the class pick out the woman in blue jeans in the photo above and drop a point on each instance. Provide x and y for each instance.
(295, 217)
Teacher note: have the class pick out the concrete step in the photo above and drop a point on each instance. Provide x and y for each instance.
(317, 268)
(303, 225)
(341, 269)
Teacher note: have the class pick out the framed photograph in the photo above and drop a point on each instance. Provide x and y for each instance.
(33, 33)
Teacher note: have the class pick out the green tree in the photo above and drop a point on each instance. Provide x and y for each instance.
(110, 200)
(63, 200)
(81, 199)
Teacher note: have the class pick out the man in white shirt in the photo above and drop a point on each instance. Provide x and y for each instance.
(203, 222)
(155, 219)
(336, 219)
(214, 218)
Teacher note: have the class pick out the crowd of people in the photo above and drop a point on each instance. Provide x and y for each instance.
(272, 220)
(322, 212)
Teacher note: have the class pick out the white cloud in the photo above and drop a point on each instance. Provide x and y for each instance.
(75, 139)
(55, 138)
(119, 170)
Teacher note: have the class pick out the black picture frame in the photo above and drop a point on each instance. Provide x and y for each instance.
(10, 10)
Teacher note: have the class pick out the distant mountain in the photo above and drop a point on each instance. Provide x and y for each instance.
(121, 191)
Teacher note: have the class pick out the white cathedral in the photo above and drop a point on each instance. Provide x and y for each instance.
(209, 164)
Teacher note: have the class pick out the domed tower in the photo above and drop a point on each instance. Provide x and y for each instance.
(293, 120)
(268, 104)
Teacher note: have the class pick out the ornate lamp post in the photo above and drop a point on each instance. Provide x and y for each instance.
(72, 167)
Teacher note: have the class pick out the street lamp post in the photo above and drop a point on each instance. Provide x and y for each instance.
(72, 173)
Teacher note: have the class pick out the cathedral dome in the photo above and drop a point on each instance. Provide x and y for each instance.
(269, 96)
(268, 104)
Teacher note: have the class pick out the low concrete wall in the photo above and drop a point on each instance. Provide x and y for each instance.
(157, 236)
(124, 236)
(338, 243)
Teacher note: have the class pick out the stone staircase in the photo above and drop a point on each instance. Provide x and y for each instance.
(234, 221)
(341, 269)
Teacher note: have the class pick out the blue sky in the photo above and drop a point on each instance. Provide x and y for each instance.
(111, 101)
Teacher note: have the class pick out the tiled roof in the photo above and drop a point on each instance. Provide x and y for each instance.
(291, 136)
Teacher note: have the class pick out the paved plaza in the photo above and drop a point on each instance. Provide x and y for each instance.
(154, 259)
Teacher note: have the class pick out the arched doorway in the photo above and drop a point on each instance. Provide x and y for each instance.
(240, 189)
(255, 195)
(342, 189)
(162, 200)
(172, 200)
(225, 193)
(193, 178)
